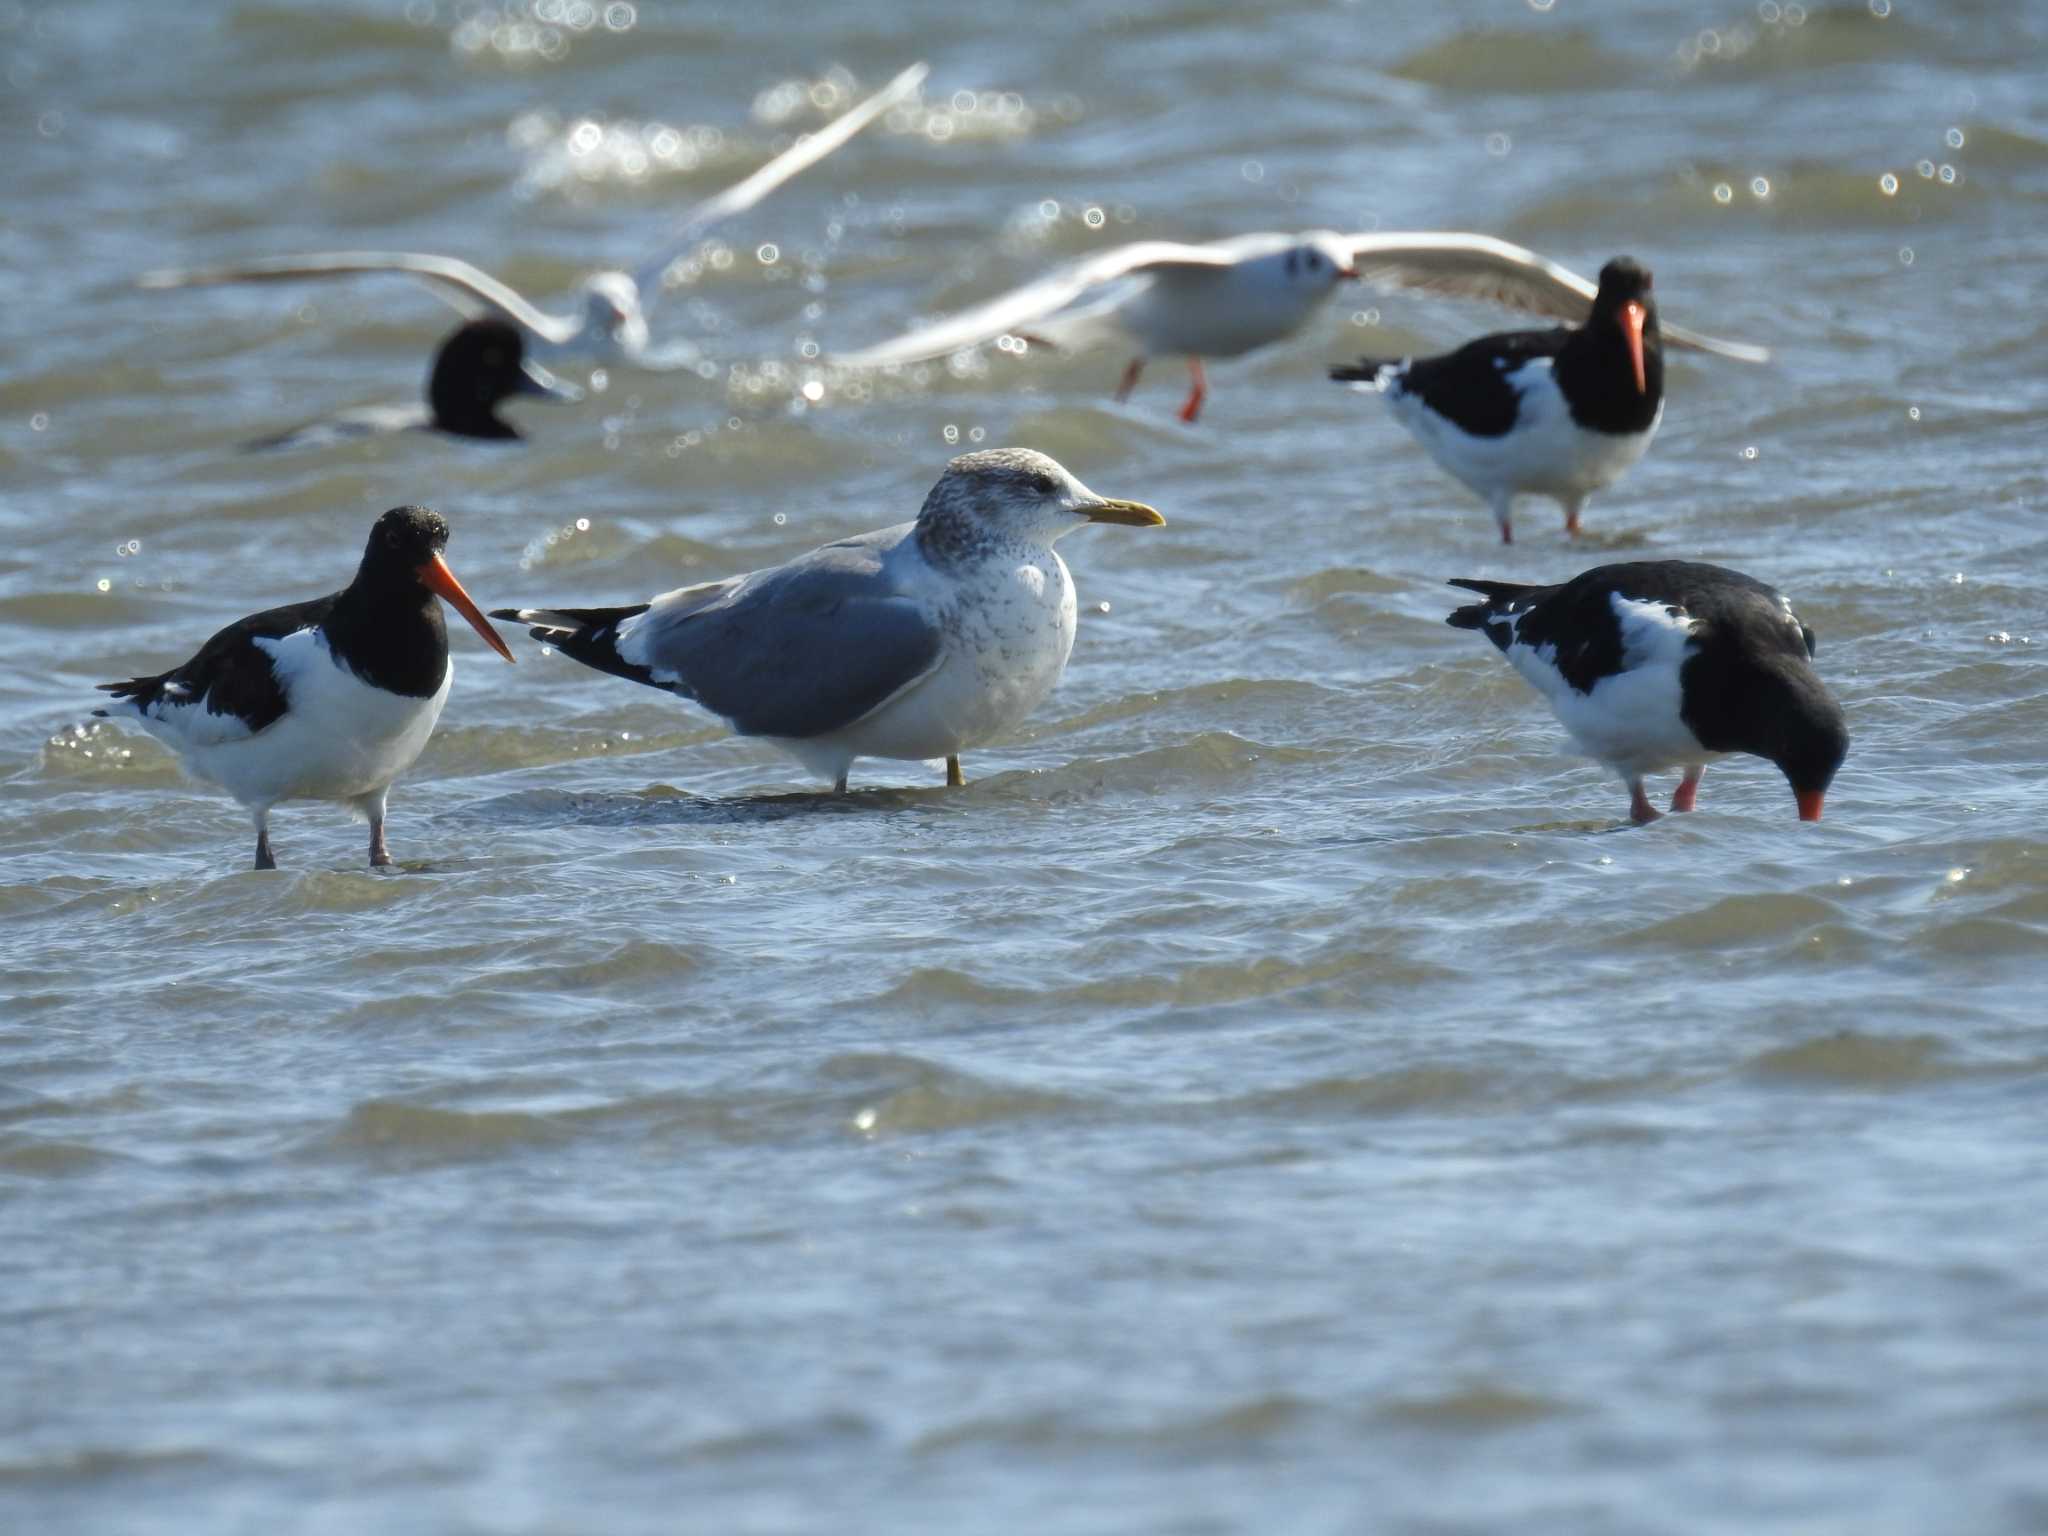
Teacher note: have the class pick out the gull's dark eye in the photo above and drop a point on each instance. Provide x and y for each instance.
(1314, 261)
(1042, 484)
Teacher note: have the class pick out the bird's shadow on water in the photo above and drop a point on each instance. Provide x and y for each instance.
(664, 806)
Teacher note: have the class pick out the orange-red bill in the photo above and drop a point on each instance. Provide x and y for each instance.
(1809, 803)
(1633, 317)
(441, 581)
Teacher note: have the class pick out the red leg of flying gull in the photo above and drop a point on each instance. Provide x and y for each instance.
(1198, 390)
(1130, 379)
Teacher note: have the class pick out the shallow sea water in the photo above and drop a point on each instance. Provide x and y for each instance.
(1275, 1094)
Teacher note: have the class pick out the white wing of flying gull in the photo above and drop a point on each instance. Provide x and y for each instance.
(613, 323)
(1496, 272)
(1091, 299)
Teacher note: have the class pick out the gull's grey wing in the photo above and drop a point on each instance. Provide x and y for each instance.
(1037, 301)
(468, 289)
(1468, 266)
(799, 157)
(795, 650)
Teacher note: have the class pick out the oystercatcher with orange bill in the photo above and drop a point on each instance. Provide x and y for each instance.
(1659, 664)
(329, 699)
(1560, 413)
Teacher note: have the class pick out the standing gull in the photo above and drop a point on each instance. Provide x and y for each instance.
(1233, 296)
(612, 327)
(1559, 413)
(914, 642)
(330, 699)
(1656, 664)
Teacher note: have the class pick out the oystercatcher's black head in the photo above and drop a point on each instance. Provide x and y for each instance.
(403, 558)
(1807, 738)
(1623, 303)
(1770, 702)
(480, 366)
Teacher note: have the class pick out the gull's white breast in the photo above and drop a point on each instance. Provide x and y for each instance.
(1007, 623)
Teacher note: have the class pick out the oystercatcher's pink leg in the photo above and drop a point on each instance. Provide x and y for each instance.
(1640, 811)
(1130, 379)
(1198, 390)
(1571, 518)
(1688, 790)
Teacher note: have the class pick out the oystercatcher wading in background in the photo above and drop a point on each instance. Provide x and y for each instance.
(1559, 413)
(1659, 664)
(330, 699)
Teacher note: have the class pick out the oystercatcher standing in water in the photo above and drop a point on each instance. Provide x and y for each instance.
(1667, 663)
(330, 699)
(1559, 413)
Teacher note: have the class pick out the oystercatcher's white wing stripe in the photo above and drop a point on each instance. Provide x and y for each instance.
(799, 157)
(468, 289)
(1631, 719)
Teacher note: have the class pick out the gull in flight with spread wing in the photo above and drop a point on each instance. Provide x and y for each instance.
(612, 325)
(1229, 297)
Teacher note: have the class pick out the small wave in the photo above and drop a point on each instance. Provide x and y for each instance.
(1797, 38)
(34, 1157)
(1520, 62)
(936, 1098)
(1481, 1405)
(385, 1130)
(1772, 918)
(1850, 1059)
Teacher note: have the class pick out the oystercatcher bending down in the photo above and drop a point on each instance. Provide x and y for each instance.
(330, 699)
(478, 368)
(1657, 664)
(1560, 413)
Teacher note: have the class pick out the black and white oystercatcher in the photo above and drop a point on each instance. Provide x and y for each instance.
(478, 368)
(912, 642)
(1658, 664)
(330, 699)
(1560, 413)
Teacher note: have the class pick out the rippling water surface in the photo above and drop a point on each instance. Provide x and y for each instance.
(1273, 1095)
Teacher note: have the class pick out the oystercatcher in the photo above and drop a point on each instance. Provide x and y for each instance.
(479, 367)
(912, 642)
(1656, 664)
(1559, 413)
(330, 699)
(1229, 297)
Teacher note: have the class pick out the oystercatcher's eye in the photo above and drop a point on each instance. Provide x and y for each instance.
(1042, 484)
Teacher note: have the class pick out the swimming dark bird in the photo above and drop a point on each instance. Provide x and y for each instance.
(915, 642)
(1560, 413)
(478, 368)
(1659, 664)
(329, 699)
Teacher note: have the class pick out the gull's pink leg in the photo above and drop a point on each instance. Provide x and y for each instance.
(1640, 811)
(1198, 390)
(1688, 790)
(1130, 380)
